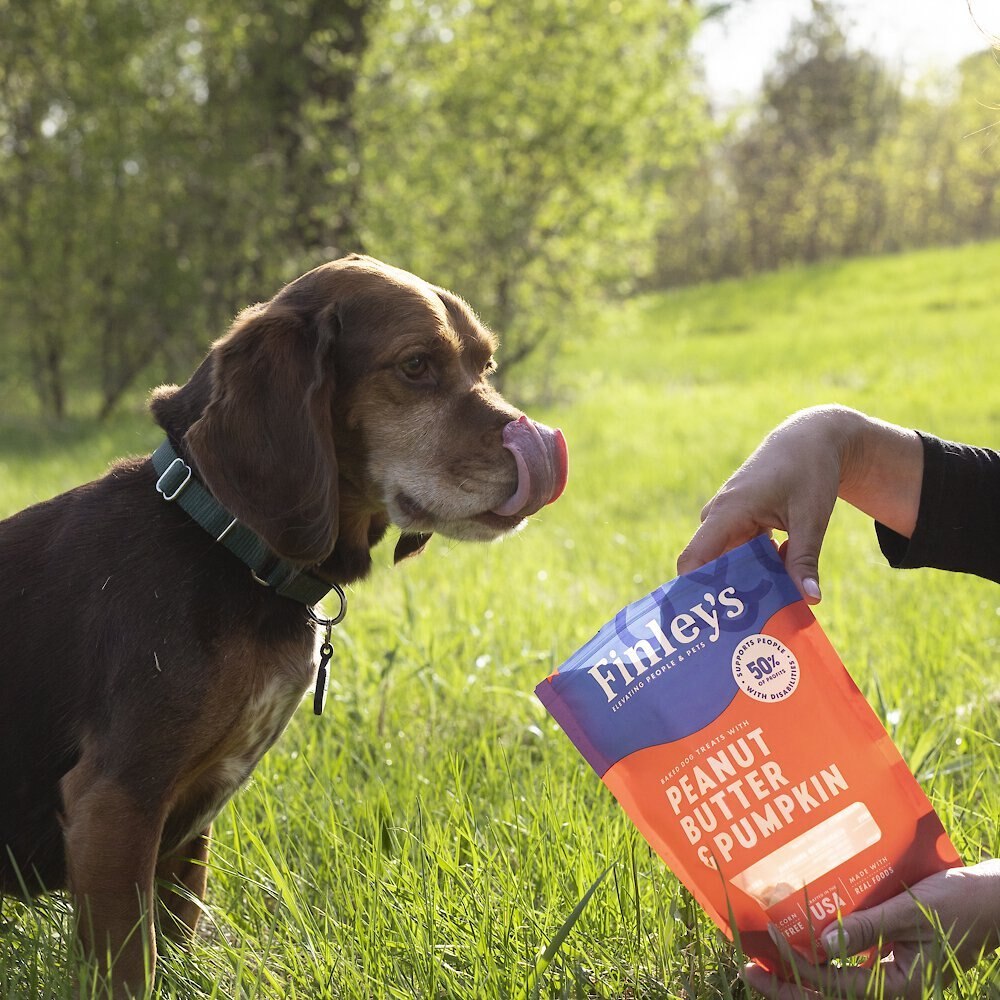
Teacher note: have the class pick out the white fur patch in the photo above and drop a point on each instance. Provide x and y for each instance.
(261, 721)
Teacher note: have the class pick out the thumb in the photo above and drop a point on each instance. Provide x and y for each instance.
(856, 933)
(871, 927)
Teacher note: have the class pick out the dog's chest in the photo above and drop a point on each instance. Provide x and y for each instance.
(253, 729)
(262, 721)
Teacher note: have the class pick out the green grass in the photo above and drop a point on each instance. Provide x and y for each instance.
(434, 830)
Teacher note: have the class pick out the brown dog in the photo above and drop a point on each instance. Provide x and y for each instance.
(156, 631)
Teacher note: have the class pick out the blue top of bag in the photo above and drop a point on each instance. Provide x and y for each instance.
(662, 668)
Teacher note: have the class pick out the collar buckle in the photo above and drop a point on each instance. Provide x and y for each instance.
(177, 482)
(178, 467)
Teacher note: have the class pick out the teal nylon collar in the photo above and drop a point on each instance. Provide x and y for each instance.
(177, 483)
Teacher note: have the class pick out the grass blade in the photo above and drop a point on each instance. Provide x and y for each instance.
(545, 959)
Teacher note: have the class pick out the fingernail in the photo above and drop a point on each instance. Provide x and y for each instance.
(811, 588)
(830, 940)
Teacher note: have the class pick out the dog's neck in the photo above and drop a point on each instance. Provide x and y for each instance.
(360, 528)
(359, 531)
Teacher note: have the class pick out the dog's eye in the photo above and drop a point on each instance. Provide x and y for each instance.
(416, 367)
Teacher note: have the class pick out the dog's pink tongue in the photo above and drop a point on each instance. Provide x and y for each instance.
(542, 466)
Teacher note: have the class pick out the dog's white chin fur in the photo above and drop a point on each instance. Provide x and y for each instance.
(461, 530)
(475, 532)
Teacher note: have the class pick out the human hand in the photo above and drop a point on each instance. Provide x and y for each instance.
(960, 907)
(789, 483)
(792, 481)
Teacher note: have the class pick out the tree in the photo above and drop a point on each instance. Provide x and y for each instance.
(798, 179)
(518, 153)
(805, 165)
(163, 163)
(970, 192)
(161, 166)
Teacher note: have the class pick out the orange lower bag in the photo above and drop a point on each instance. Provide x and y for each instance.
(722, 719)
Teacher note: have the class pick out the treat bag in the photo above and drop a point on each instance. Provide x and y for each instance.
(722, 719)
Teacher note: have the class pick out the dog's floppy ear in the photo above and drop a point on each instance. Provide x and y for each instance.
(264, 443)
(411, 543)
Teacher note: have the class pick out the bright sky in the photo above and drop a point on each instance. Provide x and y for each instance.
(913, 36)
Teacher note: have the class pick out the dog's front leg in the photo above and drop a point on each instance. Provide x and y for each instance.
(182, 878)
(111, 846)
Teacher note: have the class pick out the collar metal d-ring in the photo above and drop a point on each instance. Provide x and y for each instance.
(326, 648)
(328, 623)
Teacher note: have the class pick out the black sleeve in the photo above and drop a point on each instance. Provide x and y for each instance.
(958, 523)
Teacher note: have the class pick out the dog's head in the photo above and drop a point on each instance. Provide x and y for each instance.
(357, 396)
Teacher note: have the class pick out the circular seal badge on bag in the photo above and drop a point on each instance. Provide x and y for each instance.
(765, 668)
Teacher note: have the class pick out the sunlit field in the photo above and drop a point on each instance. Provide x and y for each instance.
(433, 831)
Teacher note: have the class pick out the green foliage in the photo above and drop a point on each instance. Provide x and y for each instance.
(944, 161)
(164, 164)
(519, 153)
(823, 111)
(434, 830)
(839, 159)
(80, 237)
(821, 95)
